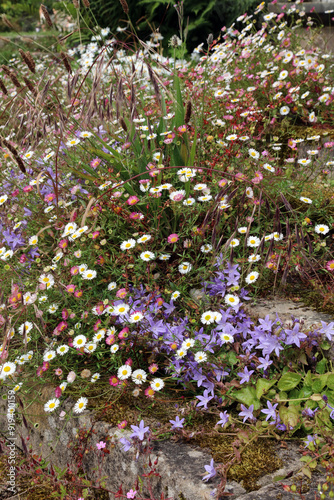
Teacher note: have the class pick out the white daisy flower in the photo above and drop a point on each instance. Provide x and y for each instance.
(175, 295)
(121, 309)
(25, 327)
(185, 267)
(188, 202)
(7, 369)
(82, 268)
(72, 142)
(147, 256)
(157, 384)
(249, 192)
(89, 274)
(53, 308)
(164, 256)
(234, 243)
(63, 386)
(139, 376)
(304, 161)
(200, 357)
(144, 238)
(206, 248)
(99, 336)
(208, 317)
(254, 258)
(114, 348)
(80, 405)
(284, 110)
(251, 277)
(242, 230)
(79, 341)
(136, 316)
(254, 154)
(90, 347)
(33, 240)
(231, 300)
(49, 355)
(226, 338)
(305, 200)
(200, 187)
(321, 229)
(205, 198)
(62, 349)
(124, 372)
(51, 405)
(187, 344)
(95, 377)
(3, 199)
(180, 353)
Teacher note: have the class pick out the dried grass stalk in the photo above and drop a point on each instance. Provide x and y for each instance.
(7, 22)
(123, 124)
(26, 57)
(125, 6)
(46, 15)
(3, 87)
(188, 112)
(11, 75)
(66, 62)
(30, 85)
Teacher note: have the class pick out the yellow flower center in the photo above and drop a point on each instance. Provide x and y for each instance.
(7, 369)
(52, 405)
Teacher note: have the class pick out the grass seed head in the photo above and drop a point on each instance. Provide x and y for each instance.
(26, 57)
(46, 15)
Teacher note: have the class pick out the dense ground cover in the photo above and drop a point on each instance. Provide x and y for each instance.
(144, 199)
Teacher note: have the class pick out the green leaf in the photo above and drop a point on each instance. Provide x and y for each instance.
(325, 345)
(179, 111)
(321, 366)
(262, 386)
(247, 396)
(193, 150)
(290, 415)
(330, 381)
(81, 174)
(307, 472)
(305, 392)
(308, 379)
(289, 381)
(232, 358)
(319, 383)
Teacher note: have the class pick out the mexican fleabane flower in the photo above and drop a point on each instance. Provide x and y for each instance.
(185, 267)
(51, 405)
(7, 369)
(139, 376)
(147, 256)
(157, 384)
(231, 300)
(124, 372)
(127, 245)
(79, 341)
(321, 229)
(80, 405)
(251, 277)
